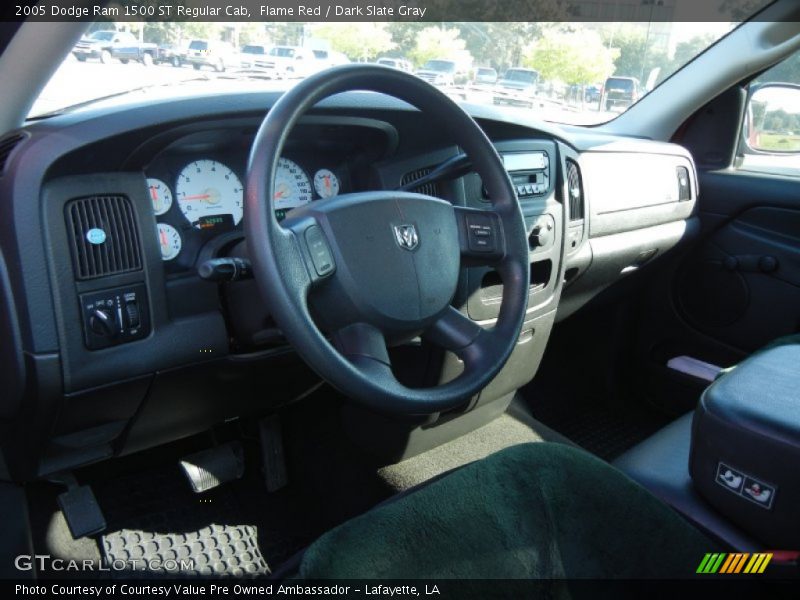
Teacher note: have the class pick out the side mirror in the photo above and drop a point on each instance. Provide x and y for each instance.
(772, 123)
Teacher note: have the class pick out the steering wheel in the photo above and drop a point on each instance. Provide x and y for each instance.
(375, 268)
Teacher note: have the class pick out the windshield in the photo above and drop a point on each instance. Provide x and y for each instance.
(569, 72)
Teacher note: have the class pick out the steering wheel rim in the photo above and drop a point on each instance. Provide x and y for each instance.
(283, 255)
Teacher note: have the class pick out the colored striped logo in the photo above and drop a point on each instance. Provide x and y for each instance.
(718, 563)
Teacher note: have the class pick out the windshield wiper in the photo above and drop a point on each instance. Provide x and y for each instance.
(79, 105)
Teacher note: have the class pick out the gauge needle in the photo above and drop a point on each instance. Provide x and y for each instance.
(198, 197)
(153, 193)
(164, 241)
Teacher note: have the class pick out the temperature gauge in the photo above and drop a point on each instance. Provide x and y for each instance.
(170, 241)
(326, 183)
(160, 195)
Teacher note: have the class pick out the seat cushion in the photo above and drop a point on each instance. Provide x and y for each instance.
(531, 511)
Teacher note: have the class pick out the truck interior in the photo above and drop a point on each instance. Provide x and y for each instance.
(495, 324)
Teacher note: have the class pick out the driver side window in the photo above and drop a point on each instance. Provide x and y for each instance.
(770, 138)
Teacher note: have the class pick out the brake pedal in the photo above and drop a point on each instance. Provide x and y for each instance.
(81, 511)
(269, 434)
(210, 468)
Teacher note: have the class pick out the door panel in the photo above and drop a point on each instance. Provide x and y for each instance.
(742, 286)
(733, 292)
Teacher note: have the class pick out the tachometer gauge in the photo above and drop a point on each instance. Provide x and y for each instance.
(170, 241)
(326, 183)
(207, 187)
(160, 195)
(292, 187)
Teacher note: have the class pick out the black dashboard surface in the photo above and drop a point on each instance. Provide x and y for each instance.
(361, 141)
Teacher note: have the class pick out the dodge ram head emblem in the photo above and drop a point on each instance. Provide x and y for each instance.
(406, 236)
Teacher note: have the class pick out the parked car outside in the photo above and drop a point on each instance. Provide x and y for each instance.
(396, 63)
(620, 92)
(171, 54)
(329, 58)
(518, 87)
(212, 53)
(439, 71)
(484, 76)
(593, 92)
(254, 55)
(290, 62)
(106, 45)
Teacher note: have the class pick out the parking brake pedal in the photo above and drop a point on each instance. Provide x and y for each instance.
(81, 511)
(210, 468)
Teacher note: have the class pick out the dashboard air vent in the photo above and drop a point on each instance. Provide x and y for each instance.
(103, 235)
(429, 189)
(574, 192)
(7, 145)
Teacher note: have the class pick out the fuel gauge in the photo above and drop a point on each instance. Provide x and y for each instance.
(160, 195)
(170, 241)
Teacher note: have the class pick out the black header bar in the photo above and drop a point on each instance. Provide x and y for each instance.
(383, 10)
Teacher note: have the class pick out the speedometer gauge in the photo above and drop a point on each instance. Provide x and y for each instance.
(207, 187)
(160, 195)
(292, 187)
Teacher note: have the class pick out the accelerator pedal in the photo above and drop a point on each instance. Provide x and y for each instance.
(210, 468)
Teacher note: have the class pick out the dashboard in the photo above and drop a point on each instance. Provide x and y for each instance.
(116, 344)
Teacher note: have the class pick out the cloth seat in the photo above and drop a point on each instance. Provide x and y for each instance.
(541, 510)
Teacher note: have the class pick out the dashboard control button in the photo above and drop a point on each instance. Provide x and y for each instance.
(480, 233)
(132, 314)
(115, 316)
(102, 323)
(318, 249)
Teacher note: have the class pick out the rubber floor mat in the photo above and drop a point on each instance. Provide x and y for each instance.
(213, 550)
(157, 525)
(604, 431)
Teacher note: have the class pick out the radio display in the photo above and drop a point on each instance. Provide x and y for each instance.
(525, 161)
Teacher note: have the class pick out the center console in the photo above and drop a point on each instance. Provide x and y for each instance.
(533, 167)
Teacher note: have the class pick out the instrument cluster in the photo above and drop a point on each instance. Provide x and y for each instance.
(198, 195)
